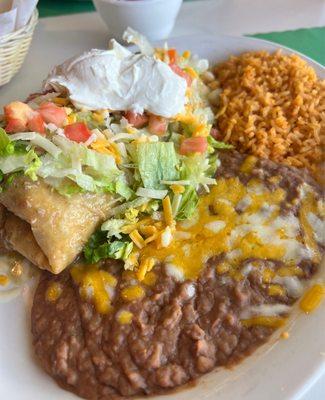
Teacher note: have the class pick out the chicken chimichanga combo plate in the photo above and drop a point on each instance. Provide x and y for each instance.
(170, 210)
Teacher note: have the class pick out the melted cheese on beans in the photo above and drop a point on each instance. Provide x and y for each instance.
(95, 284)
(240, 221)
(257, 230)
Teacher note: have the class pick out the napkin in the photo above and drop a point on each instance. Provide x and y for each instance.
(14, 14)
(25, 10)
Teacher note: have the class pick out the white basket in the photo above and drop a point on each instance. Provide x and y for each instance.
(13, 49)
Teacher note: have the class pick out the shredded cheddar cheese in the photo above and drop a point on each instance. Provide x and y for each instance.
(150, 278)
(285, 335)
(267, 275)
(290, 270)
(4, 280)
(309, 205)
(187, 54)
(222, 268)
(312, 298)
(124, 317)
(177, 189)
(145, 266)
(248, 164)
(193, 74)
(72, 118)
(137, 239)
(94, 285)
(98, 117)
(168, 213)
(106, 147)
(131, 293)
(53, 292)
(276, 290)
(270, 322)
(197, 126)
(148, 230)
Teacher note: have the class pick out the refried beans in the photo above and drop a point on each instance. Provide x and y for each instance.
(171, 328)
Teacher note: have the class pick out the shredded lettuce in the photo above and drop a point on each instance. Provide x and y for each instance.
(26, 161)
(65, 186)
(123, 208)
(177, 200)
(63, 161)
(156, 162)
(90, 170)
(37, 140)
(214, 163)
(8, 179)
(6, 147)
(196, 169)
(98, 248)
(151, 193)
(33, 164)
(122, 188)
(188, 204)
(113, 227)
(218, 145)
(87, 117)
(12, 163)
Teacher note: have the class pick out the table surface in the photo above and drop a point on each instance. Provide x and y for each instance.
(302, 20)
(290, 15)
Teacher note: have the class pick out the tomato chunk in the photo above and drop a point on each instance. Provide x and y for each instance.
(20, 117)
(78, 132)
(51, 113)
(178, 70)
(193, 145)
(17, 114)
(15, 125)
(137, 120)
(157, 125)
(36, 123)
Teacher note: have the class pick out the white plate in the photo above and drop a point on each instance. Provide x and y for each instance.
(286, 372)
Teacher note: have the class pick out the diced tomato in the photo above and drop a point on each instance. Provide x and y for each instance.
(77, 132)
(178, 70)
(20, 117)
(17, 114)
(172, 54)
(137, 120)
(15, 125)
(193, 145)
(36, 123)
(157, 125)
(52, 113)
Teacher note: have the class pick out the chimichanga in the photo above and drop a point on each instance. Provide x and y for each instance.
(14, 230)
(47, 228)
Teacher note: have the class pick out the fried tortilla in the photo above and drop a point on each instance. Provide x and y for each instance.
(47, 228)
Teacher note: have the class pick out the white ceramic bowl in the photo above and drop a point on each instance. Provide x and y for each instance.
(153, 18)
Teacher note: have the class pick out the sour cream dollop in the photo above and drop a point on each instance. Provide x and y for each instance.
(119, 80)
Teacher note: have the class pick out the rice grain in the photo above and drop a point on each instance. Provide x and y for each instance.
(272, 106)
